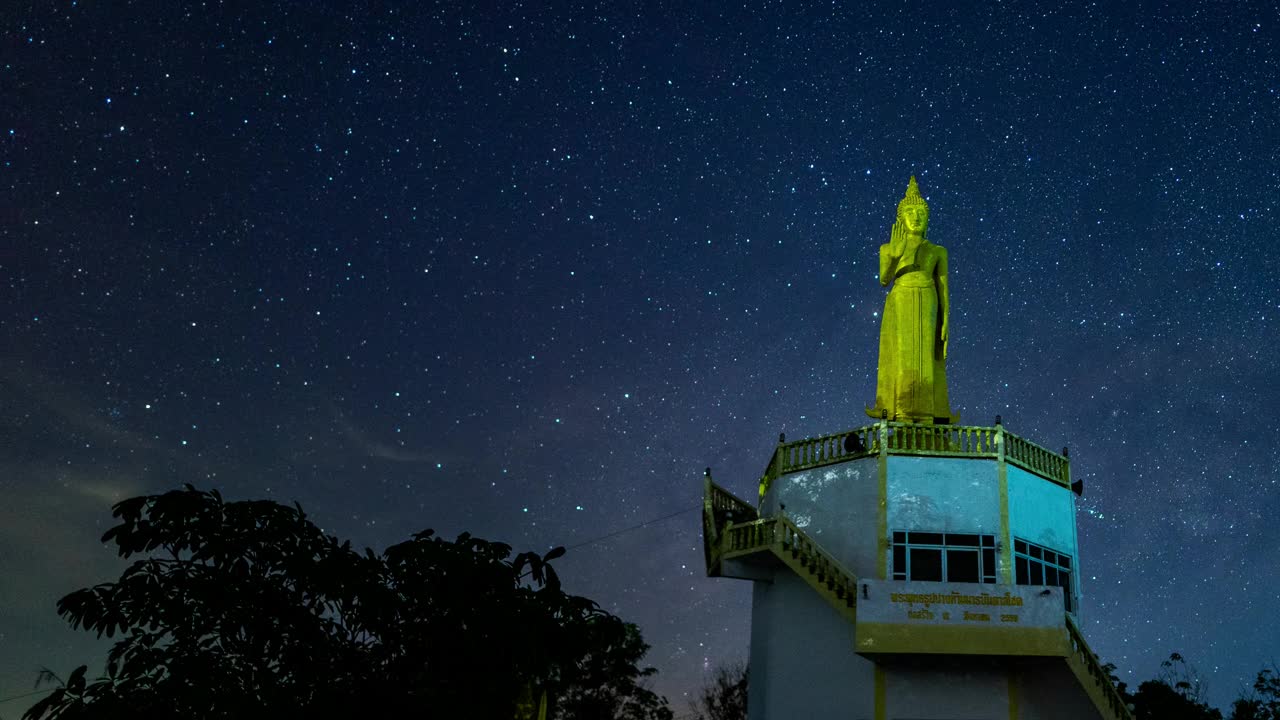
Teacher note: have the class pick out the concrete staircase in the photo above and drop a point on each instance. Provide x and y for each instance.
(732, 530)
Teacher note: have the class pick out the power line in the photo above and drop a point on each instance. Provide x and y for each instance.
(616, 533)
(19, 697)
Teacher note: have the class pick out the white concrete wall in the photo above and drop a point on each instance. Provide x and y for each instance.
(802, 659)
(837, 506)
(1047, 690)
(949, 688)
(974, 689)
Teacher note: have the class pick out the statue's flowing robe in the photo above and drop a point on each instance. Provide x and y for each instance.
(912, 383)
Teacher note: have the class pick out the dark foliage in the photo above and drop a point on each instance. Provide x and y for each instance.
(1263, 702)
(608, 686)
(725, 697)
(1178, 694)
(1121, 686)
(247, 609)
(1157, 700)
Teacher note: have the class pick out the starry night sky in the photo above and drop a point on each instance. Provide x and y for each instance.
(526, 271)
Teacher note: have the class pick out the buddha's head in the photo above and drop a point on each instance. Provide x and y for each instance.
(913, 211)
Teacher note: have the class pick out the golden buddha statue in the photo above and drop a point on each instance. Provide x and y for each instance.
(911, 382)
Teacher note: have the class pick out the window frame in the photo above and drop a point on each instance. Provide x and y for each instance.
(1039, 560)
(983, 546)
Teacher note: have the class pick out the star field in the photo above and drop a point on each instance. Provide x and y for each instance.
(526, 270)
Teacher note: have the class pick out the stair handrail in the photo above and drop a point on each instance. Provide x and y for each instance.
(752, 535)
(1081, 652)
(720, 508)
(826, 563)
(786, 541)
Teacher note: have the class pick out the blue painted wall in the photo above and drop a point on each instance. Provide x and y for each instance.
(1042, 512)
(943, 495)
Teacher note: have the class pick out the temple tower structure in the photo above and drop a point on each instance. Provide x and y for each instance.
(912, 568)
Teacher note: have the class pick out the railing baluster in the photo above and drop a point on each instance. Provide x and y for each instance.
(910, 438)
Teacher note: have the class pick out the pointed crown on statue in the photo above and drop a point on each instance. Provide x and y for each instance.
(912, 197)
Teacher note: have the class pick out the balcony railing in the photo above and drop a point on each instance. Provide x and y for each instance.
(900, 438)
(1035, 459)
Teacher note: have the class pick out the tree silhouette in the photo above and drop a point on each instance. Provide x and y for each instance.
(725, 696)
(1263, 702)
(1178, 694)
(247, 609)
(608, 688)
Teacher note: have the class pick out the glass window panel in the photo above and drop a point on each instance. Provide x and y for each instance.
(899, 558)
(988, 541)
(1064, 560)
(962, 566)
(926, 564)
(1019, 546)
(1035, 552)
(1024, 575)
(989, 561)
(1051, 557)
(1050, 575)
(962, 539)
(920, 538)
(899, 537)
(1037, 574)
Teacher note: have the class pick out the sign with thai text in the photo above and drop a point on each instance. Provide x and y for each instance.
(960, 618)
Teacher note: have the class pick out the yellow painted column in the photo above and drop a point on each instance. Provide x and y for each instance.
(879, 694)
(1014, 691)
(1002, 481)
(882, 548)
(882, 511)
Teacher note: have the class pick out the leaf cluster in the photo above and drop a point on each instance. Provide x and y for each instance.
(1262, 702)
(248, 609)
